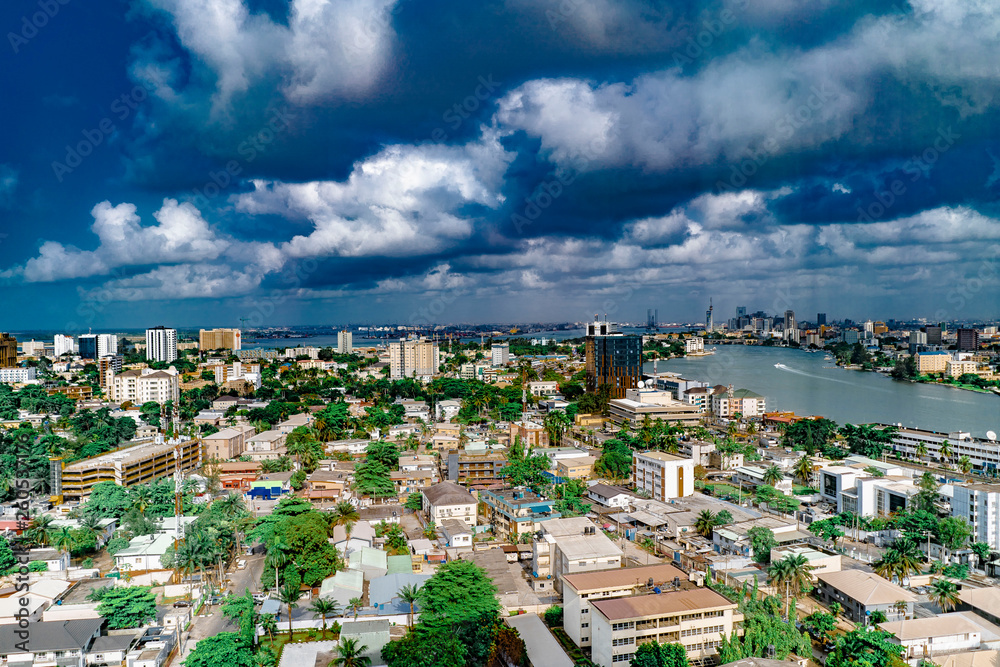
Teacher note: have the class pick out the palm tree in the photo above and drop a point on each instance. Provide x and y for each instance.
(965, 464)
(791, 575)
(772, 475)
(804, 470)
(920, 451)
(946, 451)
(355, 605)
(705, 523)
(42, 530)
(944, 593)
(900, 607)
(349, 654)
(90, 526)
(325, 608)
(269, 625)
(62, 540)
(142, 497)
(344, 512)
(408, 594)
(289, 595)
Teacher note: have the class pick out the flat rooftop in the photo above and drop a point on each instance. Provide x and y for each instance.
(125, 456)
(625, 576)
(661, 604)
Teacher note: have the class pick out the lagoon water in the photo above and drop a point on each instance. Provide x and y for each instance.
(811, 384)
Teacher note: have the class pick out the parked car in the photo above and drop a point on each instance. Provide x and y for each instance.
(241, 564)
(182, 603)
(260, 597)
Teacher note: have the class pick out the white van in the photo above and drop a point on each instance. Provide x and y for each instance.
(241, 564)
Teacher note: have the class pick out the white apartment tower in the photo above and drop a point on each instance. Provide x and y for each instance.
(501, 354)
(345, 342)
(62, 345)
(413, 358)
(161, 344)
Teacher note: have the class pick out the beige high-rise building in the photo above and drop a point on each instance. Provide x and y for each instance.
(220, 339)
(413, 358)
(345, 342)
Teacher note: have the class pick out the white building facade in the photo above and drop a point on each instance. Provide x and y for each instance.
(161, 344)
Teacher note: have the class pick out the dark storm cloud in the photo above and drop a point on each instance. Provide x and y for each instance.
(506, 151)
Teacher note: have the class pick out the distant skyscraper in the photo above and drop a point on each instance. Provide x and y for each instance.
(933, 335)
(345, 342)
(161, 344)
(88, 346)
(968, 340)
(709, 318)
(741, 311)
(790, 324)
(94, 346)
(820, 319)
(613, 359)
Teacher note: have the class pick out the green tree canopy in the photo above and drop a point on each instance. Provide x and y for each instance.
(127, 606)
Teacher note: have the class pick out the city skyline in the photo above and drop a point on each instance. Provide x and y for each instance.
(594, 159)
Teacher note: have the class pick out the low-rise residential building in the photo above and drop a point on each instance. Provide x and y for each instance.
(530, 433)
(63, 643)
(543, 388)
(265, 443)
(456, 533)
(634, 412)
(581, 589)
(578, 467)
(514, 512)
(927, 638)
(727, 402)
(663, 476)
(448, 500)
(572, 545)
(860, 593)
(144, 553)
(696, 618)
(473, 468)
(144, 385)
(609, 496)
(735, 539)
(754, 476)
(226, 444)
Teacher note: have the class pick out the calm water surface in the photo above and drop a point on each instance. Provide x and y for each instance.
(811, 384)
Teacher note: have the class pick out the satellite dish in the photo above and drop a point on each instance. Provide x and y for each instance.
(991, 435)
(642, 385)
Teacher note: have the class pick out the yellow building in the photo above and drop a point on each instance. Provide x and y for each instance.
(126, 467)
(580, 467)
(219, 339)
(932, 362)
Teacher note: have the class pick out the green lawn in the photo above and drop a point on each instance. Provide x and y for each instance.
(802, 490)
(298, 637)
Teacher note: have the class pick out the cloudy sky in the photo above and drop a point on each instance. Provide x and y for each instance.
(193, 162)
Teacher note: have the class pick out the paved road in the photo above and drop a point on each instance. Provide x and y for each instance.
(211, 621)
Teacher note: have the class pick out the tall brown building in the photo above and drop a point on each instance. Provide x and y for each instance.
(613, 359)
(8, 351)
